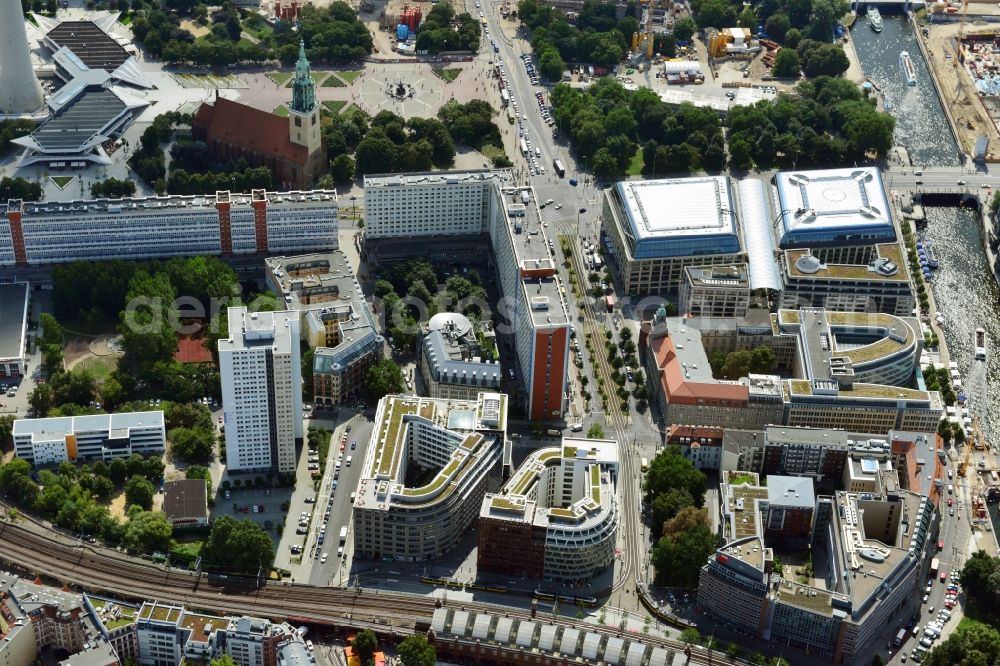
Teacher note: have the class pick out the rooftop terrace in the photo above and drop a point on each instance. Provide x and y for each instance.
(889, 267)
(803, 596)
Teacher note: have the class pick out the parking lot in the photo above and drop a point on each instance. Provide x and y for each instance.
(262, 505)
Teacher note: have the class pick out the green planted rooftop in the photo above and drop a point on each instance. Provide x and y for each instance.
(809, 598)
(386, 462)
(159, 613)
(439, 480)
(506, 504)
(595, 483)
(549, 454)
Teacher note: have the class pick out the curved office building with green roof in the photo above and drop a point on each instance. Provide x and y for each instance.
(461, 439)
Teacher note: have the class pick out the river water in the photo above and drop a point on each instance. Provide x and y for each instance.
(964, 289)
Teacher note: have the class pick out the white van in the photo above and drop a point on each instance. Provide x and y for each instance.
(354, 496)
(349, 458)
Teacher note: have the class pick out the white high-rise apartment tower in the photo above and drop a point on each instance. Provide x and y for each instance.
(261, 390)
(20, 91)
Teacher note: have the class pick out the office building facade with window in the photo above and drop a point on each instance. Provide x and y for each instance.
(450, 205)
(653, 229)
(261, 377)
(50, 441)
(462, 439)
(556, 517)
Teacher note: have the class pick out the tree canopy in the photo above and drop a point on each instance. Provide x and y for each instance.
(365, 645)
(980, 578)
(814, 18)
(595, 36)
(971, 644)
(786, 64)
(416, 651)
(239, 545)
(607, 123)
(139, 491)
(192, 445)
(679, 557)
(442, 30)
(332, 34)
(670, 470)
(382, 379)
(827, 122)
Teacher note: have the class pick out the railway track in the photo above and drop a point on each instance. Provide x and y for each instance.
(117, 575)
(630, 510)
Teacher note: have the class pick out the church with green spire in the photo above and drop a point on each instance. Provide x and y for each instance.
(303, 113)
(303, 86)
(291, 148)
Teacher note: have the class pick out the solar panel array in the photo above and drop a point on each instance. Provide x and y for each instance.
(93, 46)
(81, 120)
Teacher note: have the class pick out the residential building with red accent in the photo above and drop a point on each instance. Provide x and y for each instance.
(439, 208)
(226, 224)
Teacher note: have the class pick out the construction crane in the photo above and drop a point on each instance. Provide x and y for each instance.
(961, 27)
(971, 442)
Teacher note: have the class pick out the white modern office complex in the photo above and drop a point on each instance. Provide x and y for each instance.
(169, 635)
(450, 361)
(849, 347)
(462, 440)
(225, 224)
(874, 548)
(841, 214)
(556, 517)
(848, 372)
(653, 229)
(335, 320)
(261, 376)
(450, 205)
(50, 441)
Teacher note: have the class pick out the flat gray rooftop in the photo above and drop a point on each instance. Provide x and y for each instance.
(13, 300)
(70, 130)
(96, 48)
(690, 350)
(679, 207)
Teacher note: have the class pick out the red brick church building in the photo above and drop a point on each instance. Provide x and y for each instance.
(292, 148)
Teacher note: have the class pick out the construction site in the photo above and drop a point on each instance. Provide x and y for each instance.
(964, 58)
(977, 470)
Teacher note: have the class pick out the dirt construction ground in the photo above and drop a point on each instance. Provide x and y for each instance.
(957, 88)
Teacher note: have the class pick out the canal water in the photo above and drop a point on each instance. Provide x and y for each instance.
(964, 289)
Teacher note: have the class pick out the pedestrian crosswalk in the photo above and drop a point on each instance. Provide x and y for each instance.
(552, 216)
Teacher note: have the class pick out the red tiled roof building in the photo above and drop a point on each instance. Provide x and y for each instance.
(292, 148)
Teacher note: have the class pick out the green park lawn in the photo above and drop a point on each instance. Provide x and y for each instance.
(281, 78)
(448, 74)
(350, 76)
(334, 106)
(636, 164)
